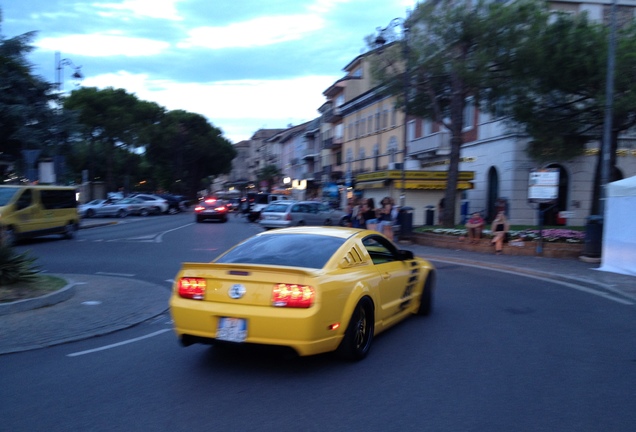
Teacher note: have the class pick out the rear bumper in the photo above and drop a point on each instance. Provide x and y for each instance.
(303, 330)
(274, 224)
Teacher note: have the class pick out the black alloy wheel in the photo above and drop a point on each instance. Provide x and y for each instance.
(359, 334)
(426, 300)
(69, 231)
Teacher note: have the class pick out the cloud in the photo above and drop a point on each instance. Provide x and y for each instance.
(104, 44)
(162, 9)
(228, 104)
(243, 64)
(260, 31)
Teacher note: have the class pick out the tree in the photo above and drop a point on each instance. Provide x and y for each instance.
(185, 149)
(557, 93)
(456, 53)
(112, 119)
(27, 120)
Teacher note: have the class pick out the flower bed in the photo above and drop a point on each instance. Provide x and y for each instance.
(564, 244)
(551, 235)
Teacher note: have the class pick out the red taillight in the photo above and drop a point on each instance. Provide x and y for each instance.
(210, 200)
(288, 217)
(292, 295)
(199, 208)
(220, 209)
(192, 288)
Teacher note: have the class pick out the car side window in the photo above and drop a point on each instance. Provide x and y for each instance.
(25, 200)
(380, 250)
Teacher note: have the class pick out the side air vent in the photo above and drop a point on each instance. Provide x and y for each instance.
(352, 258)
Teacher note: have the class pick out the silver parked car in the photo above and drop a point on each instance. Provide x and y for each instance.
(282, 214)
(160, 204)
(101, 207)
(137, 206)
(120, 208)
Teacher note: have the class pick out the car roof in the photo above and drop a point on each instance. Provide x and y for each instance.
(332, 231)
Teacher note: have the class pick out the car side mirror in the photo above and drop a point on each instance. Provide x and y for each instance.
(405, 255)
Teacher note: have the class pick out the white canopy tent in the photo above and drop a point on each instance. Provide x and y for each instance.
(619, 228)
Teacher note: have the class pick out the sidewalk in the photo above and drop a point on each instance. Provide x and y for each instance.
(95, 305)
(569, 271)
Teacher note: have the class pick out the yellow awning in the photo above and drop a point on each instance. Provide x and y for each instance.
(432, 184)
(413, 185)
(379, 184)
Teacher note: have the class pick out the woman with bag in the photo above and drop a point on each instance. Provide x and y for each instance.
(500, 227)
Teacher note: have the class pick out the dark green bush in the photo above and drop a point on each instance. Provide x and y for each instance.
(16, 267)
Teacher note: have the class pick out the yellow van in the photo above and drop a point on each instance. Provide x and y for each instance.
(31, 211)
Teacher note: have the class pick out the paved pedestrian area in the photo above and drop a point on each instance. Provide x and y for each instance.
(98, 306)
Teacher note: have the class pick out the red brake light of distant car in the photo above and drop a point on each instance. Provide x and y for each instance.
(220, 209)
(293, 296)
(210, 200)
(199, 208)
(192, 288)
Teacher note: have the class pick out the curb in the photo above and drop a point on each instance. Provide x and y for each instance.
(39, 302)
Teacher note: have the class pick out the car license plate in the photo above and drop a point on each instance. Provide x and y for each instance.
(232, 329)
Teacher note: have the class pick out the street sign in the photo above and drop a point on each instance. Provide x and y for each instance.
(543, 186)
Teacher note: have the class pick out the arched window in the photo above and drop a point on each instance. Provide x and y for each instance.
(493, 193)
(551, 211)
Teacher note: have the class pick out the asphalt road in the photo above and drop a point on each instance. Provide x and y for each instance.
(501, 352)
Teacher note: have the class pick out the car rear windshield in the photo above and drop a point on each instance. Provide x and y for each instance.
(292, 250)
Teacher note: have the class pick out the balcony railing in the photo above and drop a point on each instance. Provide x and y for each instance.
(431, 145)
(332, 115)
(310, 154)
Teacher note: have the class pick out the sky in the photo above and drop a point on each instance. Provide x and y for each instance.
(242, 64)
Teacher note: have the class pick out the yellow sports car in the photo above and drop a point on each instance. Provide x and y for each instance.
(314, 289)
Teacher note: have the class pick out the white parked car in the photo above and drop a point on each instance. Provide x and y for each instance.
(159, 203)
(101, 207)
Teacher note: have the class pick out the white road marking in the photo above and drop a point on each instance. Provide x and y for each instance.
(546, 279)
(159, 238)
(126, 342)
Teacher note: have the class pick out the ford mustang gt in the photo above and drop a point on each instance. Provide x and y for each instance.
(312, 289)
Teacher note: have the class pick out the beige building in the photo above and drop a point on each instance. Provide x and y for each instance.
(358, 141)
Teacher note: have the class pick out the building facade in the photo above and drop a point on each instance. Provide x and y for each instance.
(359, 143)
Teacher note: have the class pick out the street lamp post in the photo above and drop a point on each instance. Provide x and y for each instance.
(59, 79)
(606, 143)
(380, 40)
(59, 67)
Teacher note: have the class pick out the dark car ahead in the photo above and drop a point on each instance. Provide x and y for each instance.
(211, 209)
(176, 203)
